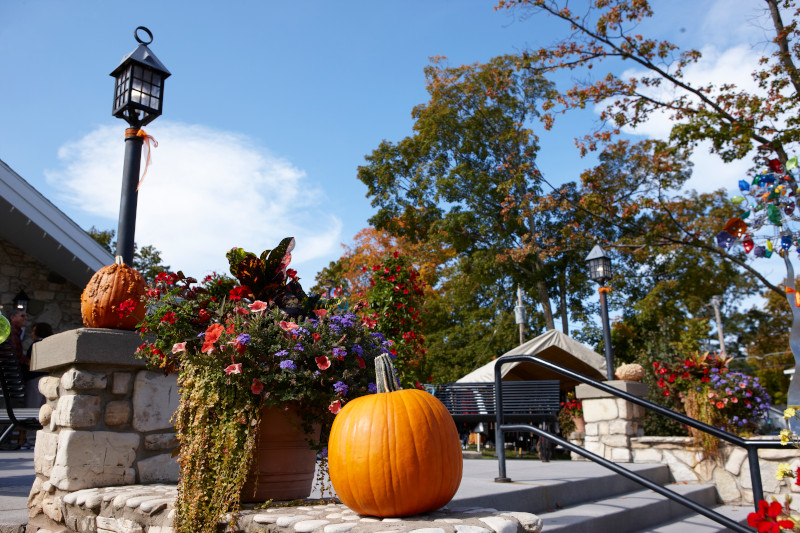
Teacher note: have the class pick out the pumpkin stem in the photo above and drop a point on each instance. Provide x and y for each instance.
(118, 260)
(385, 374)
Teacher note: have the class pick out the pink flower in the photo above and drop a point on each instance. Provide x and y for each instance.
(335, 407)
(323, 362)
(233, 369)
(257, 387)
(257, 306)
(320, 312)
(179, 347)
(288, 326)
(242, 311)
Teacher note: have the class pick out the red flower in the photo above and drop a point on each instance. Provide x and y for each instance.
(126, 308)
(204, 316)
(720, 405)
(237, 293)
(666, 393)
(655, 364)
(233, 369)
(315, 336)
(169, 318)
(376, 268)
(361, 363)
(292, 273)
(257, 387)
(212, 335)
(335, 407)
(764, 520)
(320, 312)
(323, 363)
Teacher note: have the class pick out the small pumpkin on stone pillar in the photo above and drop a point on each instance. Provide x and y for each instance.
(394, 453)
(113, 297)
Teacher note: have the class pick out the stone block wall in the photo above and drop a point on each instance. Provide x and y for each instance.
(53, 299)
(106, 420)
(730, 473)
(611, 422)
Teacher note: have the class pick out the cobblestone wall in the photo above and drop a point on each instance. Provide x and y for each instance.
(106, 420)
(52, 298)
(730, 473)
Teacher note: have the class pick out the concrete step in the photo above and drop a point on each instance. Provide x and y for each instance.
(628, 513)
(540, 488)
(700, 524)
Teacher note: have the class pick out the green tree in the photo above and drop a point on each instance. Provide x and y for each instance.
(147, 260)
(468, 176)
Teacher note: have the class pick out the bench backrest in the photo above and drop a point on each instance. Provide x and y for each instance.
(522, 400)
(11, 371)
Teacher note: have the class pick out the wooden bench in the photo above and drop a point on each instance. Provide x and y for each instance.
(13, 384)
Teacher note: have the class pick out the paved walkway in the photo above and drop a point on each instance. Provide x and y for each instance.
(16, 478)
(477, 486)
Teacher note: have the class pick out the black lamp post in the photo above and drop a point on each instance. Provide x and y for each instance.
(138, 99)
(600, 271)
(21, 300)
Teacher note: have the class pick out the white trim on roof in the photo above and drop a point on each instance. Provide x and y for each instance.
(33, 224)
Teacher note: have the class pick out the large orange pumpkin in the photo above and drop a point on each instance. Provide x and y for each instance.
(395, 453)
(109, 287)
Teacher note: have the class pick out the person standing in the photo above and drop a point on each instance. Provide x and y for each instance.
(18, 318)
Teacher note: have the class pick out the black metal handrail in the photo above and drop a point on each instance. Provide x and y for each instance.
(751, 446)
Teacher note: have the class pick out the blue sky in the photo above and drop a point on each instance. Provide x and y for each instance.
(272, 106)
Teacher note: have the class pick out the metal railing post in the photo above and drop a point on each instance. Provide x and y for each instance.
(499, 436)
(755, 475)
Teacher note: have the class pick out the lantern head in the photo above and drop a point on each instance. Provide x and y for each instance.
(20, 301)
(599, 265)
(139, 85)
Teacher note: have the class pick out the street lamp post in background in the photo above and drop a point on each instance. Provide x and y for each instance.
(138, 99)
(599, 266)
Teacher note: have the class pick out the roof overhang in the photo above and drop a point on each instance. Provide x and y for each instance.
(33, 224)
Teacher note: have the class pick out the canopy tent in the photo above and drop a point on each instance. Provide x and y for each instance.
(552, 346)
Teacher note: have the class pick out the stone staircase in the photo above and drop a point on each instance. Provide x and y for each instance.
(578, 497)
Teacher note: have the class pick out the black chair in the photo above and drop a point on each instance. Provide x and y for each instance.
(12, 381)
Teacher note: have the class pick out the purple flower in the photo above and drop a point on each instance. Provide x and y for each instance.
(341, 388)
(378, 335)
(358, 350)
(243, 338)
(299, 347)
(288, 364)
(372, 388)
(282, 353)
(339, 352)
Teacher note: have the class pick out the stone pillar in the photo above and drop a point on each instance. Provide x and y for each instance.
(106, 419)
(611, 421)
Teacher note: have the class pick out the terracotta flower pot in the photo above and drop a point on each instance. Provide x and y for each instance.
(580, 424)
(283, 462)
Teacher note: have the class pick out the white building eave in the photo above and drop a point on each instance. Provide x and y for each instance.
(33, 224)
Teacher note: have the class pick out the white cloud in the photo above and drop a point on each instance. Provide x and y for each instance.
(205, 191)
(733, 65)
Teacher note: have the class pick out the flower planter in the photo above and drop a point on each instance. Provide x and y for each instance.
(580, 424)
(283, 462)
